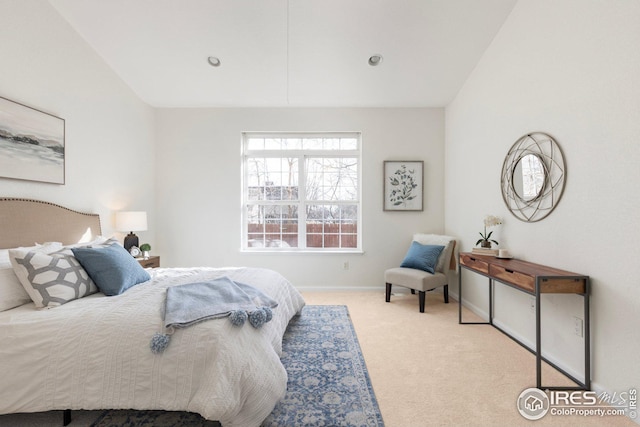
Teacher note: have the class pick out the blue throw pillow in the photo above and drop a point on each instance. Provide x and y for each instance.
(421, 257)
(112, 268)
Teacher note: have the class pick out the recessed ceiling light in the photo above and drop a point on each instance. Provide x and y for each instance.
(375, 60)
(213, 61)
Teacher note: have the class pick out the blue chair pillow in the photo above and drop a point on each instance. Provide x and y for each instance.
(112, 268)
(421, 257)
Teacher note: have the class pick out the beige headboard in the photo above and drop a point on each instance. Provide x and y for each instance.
(24, 222)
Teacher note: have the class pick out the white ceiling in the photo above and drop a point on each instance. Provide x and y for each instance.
(299, 53)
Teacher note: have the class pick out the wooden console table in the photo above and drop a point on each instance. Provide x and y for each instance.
(533, 279)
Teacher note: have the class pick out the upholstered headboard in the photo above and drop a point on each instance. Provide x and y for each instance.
(24, 222)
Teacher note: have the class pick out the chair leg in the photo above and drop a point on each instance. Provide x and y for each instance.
(66, 417)
(387, 296)
(413, 291)
(446, 294)
(421, 295)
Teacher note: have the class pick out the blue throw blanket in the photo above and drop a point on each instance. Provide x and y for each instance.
(189, 304)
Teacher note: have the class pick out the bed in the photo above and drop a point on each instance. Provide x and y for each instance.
(94, 352)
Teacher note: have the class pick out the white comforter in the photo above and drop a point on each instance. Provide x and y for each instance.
(93, 353)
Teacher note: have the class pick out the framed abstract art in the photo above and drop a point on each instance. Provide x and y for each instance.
(31, 144)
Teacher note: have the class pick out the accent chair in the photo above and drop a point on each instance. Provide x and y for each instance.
(424, 268)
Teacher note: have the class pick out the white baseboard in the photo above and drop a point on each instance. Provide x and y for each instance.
(600, 390)
(340, 289)
(548, 355)
(524, 340)
(396, 289)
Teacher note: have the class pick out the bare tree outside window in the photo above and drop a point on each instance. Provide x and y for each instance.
(301, 192)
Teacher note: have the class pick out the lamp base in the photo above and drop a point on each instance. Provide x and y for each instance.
(131, 240)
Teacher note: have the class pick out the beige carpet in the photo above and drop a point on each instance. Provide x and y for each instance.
(427, 370)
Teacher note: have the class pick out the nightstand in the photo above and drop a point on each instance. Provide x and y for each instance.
(151, 262)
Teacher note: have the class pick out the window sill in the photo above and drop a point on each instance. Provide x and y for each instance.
(302, 251)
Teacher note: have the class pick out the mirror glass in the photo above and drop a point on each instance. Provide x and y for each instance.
(528, 177)
(533, 176)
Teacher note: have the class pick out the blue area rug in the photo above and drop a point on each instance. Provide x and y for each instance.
(328, 380)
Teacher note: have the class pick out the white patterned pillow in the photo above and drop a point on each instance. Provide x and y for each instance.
(12, 293)
(51, 279)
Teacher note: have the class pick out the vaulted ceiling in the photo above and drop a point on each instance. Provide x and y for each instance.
(297, 53)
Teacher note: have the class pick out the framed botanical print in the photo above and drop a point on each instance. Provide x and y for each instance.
(31, 144)
(403, 185)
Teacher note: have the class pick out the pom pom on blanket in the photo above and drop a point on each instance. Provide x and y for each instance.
(238, 317)
(269, 313)
(192, 303)
(257, 318)
(159, 342)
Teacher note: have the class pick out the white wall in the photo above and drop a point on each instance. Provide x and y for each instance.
(109, 131)
(199, 188)
(569, 68)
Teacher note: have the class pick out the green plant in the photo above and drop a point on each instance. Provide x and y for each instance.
(145, 247)
(489, 221)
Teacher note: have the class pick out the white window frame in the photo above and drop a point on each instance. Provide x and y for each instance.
(302, 155)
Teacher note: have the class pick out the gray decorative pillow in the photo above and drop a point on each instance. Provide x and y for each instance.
(436, 239)
(422, 257)
(112, 268)
(51, 279)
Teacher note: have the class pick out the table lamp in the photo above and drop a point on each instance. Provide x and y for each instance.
(131, 221)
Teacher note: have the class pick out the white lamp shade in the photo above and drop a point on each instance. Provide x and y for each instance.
(131, 221)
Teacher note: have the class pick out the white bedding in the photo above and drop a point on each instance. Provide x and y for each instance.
(93, 353)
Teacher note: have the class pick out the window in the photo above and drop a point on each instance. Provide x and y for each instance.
(301, 192)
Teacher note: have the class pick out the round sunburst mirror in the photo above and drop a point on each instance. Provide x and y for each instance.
(533, 177)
